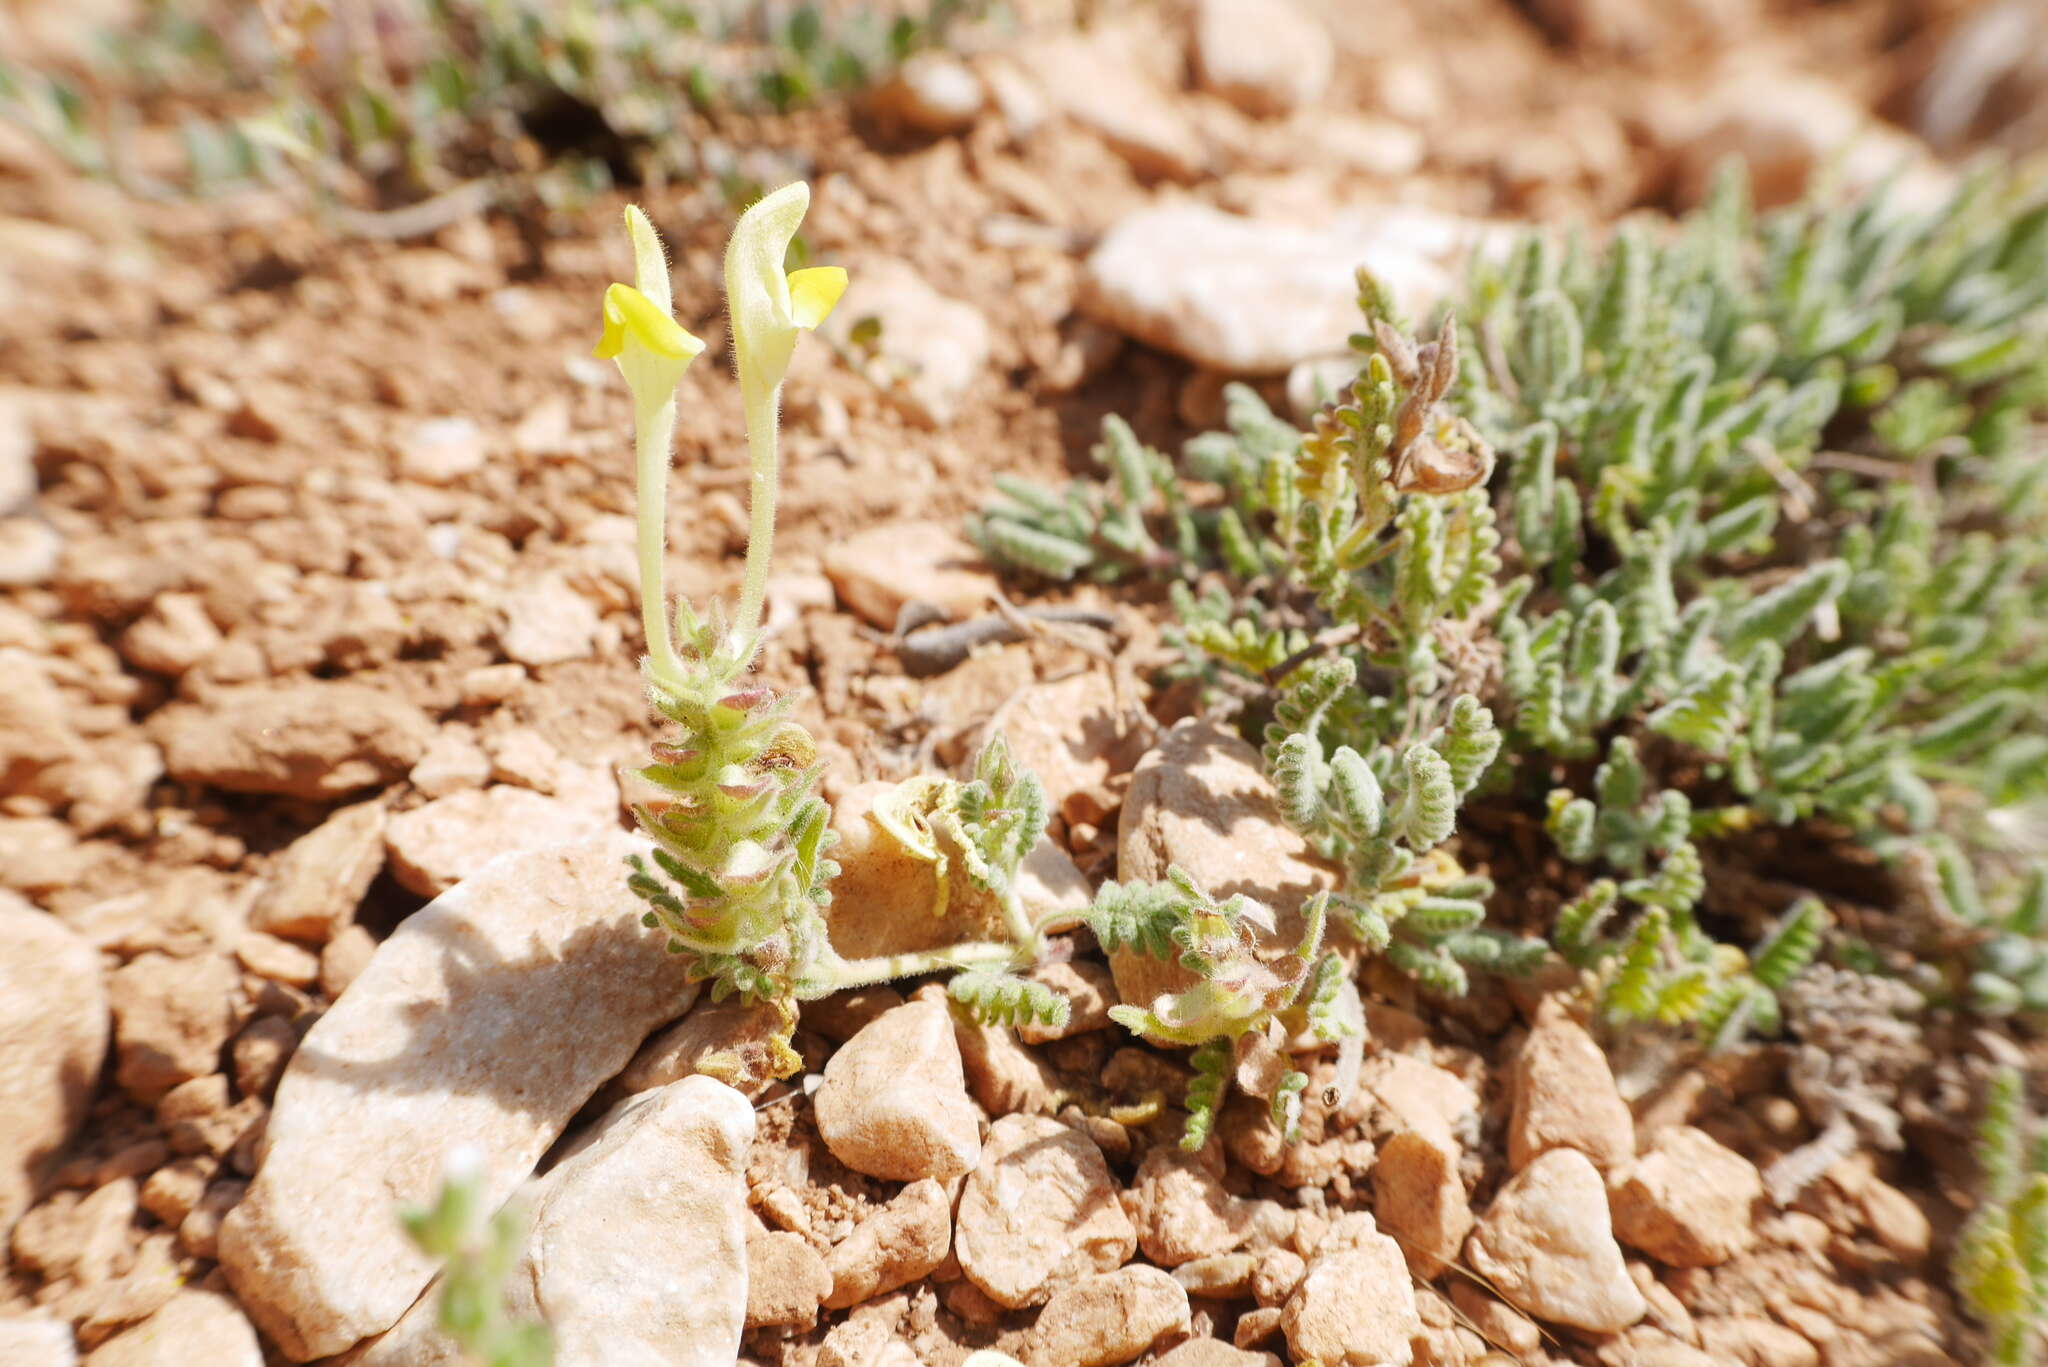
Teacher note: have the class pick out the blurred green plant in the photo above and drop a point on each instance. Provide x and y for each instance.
(410, 98)
(2001, 1260)
(2007, 964)
(1666, 970)
(478, 1250)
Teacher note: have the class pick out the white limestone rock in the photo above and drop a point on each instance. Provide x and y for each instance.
(1546, 1245)
(487, 1019)
(894, 1102)
(1245, 296)
(636, 1256)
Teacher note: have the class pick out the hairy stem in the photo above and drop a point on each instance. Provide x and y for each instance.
(762, 414)
(883, 968)
(652, 442)
(1023, 933)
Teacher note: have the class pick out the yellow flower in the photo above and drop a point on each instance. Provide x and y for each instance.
(770, 306)
(651, 349)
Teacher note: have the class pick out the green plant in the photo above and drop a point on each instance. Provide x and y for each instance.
(412, 99)
(1381, 816)
(1097, 527)
(1737, 524)
(989, 824)
(1695, 389)
(479, 1251)
(2008, 962)
(2001, 1259)
(1241, 1004)
(1361, 553)
(740, 872)
(1665, 969)
(1665, 407)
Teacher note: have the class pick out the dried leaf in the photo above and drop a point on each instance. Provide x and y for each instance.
(1427, 466)
(1399, 351)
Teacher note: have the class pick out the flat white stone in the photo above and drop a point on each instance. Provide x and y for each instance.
(39, 1339)
(1250, 297)
(487, 1019)
(636, 1256)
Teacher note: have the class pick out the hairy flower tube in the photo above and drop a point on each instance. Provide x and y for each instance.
(652, 351)
(769, 307)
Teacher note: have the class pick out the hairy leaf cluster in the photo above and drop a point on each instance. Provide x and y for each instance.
(1732, 523)
(1240, 1004)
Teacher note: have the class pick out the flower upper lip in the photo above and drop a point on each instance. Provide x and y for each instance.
(769, 306)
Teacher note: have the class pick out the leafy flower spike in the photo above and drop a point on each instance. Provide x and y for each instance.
(652, 351)
(769, 307)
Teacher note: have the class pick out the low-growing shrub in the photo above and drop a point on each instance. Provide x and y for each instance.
(1732, 523)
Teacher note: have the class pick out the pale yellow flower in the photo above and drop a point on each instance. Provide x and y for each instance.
(770, 305)
(651, 349)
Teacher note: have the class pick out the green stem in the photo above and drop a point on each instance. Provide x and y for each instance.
(1023, 933)
(653, 439)
(883, 968)
(762, 418)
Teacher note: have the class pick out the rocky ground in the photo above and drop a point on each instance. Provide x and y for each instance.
(319, 595)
